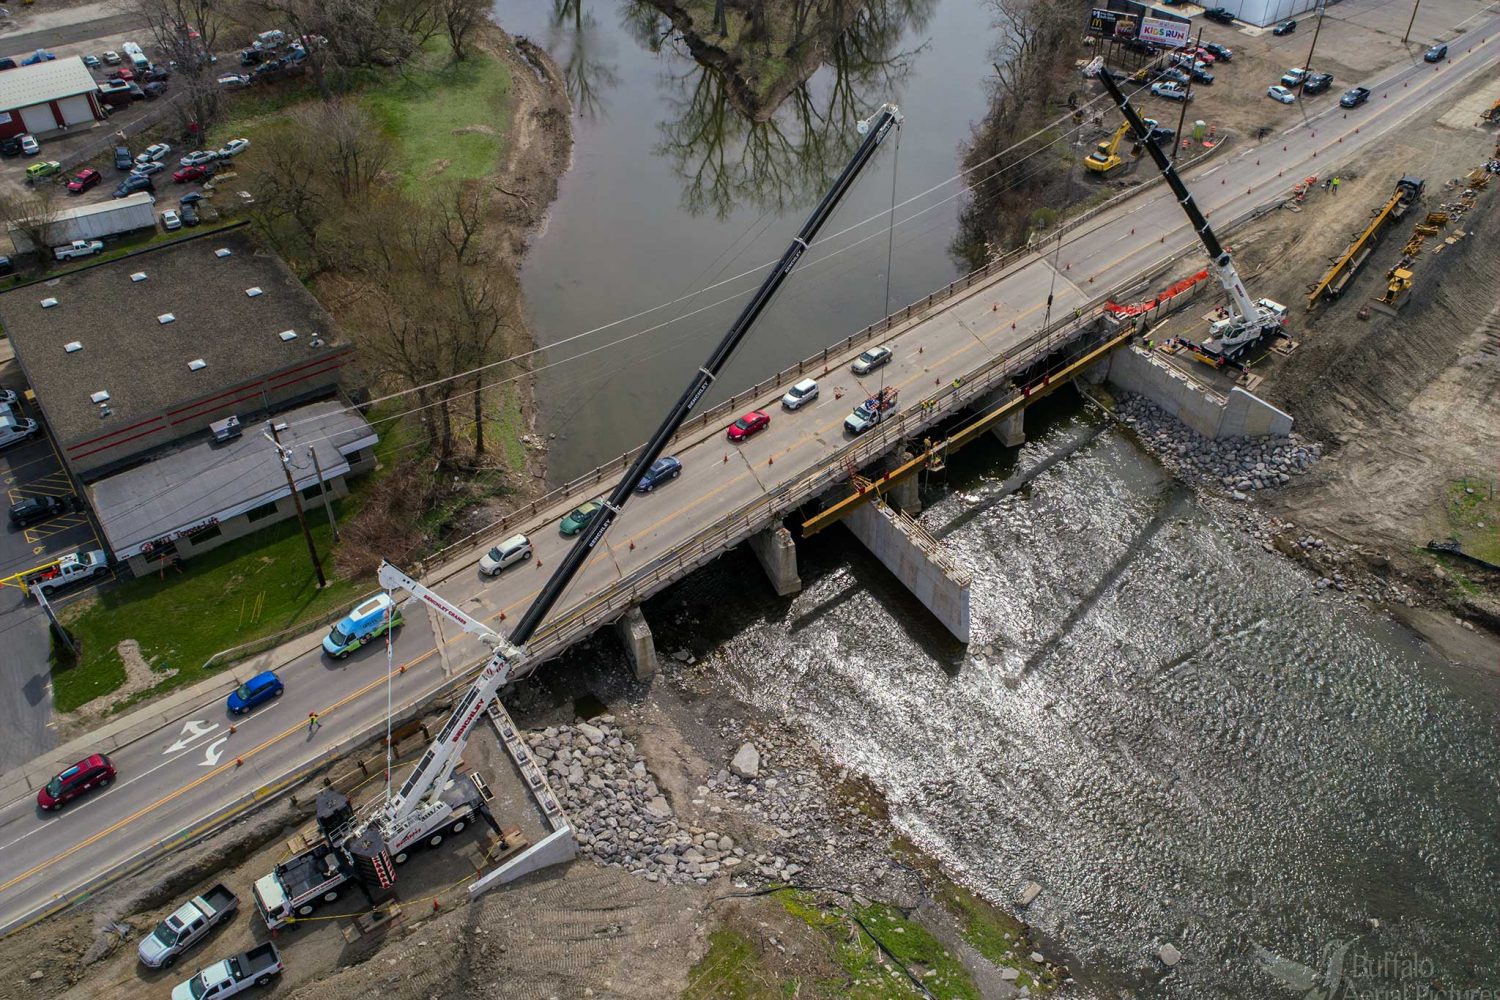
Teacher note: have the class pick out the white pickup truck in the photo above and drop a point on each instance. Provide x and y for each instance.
(78, 248)
(186, 926)
(71, 568)
(233, 975)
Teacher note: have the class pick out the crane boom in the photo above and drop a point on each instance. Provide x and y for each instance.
(1248, 320)
(434, 770)
(876, 128)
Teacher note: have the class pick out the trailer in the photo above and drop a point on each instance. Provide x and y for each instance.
(93, 222)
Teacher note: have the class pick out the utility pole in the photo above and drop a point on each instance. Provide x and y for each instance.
(286, 466)
(1187, 96)
(1307, 66)
(1413, 21)
(324, 490)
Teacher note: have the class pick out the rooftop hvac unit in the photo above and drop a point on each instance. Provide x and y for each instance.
(225, 430)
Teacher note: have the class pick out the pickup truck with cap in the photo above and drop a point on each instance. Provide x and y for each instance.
(232, 975)
(187, 925)
(78, 248)
(71, 568)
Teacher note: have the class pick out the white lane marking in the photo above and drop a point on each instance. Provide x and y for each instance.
(191, 730)
(214, 751)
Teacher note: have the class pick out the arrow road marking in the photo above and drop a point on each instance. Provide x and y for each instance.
(213, 752)
(191, 730)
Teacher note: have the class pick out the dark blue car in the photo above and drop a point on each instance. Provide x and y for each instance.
(661, 470)
(257, 690)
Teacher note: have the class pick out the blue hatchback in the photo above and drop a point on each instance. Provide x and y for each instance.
(257, 690)
(661, 470)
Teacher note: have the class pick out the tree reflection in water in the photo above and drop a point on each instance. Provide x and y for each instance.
(726, 157)
(586, 76)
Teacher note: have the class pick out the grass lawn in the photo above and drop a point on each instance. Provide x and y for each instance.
(1474, 517)
(248, 589)
(449, 118)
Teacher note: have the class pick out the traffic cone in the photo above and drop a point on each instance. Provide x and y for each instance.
(502, 616)
(232, 729)
(239, 762)
(771, 460)
(632, 546)
(435, 906)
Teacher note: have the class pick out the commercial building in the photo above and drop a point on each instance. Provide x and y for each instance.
(92, 222)
(48, 96)
(156, 374)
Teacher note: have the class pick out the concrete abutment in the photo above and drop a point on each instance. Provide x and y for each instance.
(1239, 414)
(640, 645)
(918, 560)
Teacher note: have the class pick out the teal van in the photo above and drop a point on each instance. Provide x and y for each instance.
(369, 620)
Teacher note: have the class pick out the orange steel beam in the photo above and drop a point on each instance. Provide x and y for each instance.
(1352, 250)
(959, 438)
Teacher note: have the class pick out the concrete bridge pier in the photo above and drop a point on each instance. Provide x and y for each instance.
(777, 552)
(1011, 430)
(640, 646)
(905, 496)
(918, 560)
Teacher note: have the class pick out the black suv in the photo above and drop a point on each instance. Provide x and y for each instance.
(10, 147)
(1223, 53)
(1316, 83)
(1354, 98)
(34, 509)
(1285, 27)
(1219, 14)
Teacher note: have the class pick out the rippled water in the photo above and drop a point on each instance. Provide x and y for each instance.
(1159, 722)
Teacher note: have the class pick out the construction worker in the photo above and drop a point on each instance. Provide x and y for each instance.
(312, 722)
(1335, 185)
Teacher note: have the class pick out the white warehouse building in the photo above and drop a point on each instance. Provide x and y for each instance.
(1262, 13)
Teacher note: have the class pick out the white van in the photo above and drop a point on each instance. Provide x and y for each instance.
(14, 429)
(515, 549)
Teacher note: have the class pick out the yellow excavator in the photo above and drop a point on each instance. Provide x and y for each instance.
(1106, 156)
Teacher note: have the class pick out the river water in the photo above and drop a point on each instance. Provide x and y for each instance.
(1166, 727)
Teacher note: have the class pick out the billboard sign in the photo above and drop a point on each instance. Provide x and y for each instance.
(1112, 24)
(1172, 34)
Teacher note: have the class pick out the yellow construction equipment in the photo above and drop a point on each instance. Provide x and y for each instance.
(1493, 114)
(1342, 271)
(1105, 156)
(1398, 284)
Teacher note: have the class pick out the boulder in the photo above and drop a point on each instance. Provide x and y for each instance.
(1170, 956)
(658, 808)
(746, 762)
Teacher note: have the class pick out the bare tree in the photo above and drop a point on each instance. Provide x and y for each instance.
(460, 18)
(353, 151)
(31, 217)
(186, 33)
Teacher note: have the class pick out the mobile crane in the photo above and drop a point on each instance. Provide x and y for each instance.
(1248, 321)
(1106, 156)
(431, 804)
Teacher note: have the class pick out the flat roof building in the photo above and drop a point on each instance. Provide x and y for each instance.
(156, 373)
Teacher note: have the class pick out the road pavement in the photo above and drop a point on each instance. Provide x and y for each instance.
(174, 783)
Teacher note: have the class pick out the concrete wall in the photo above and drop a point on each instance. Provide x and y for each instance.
(1241, 414)
(917, 560)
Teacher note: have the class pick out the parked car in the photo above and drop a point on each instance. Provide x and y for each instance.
(1223, 52)
(170, 220)
(579, 517)
(191, 198)
(148, 168)
(515, 549)
(132, 183)
(1219, 14)
(196, 173)
(369, 620)
(1169, 92)
(123, 159)
(38, 508)
(77, 249)
(269, 68)
(189, 212)
(93, 772)
(1316, 83)
(1161, 135)
(112, 58)
(1285, 27)
(800, 395)
(1355, 96)
(197, 157)
(233, 975)
(154, 89)
(91, 61)
(8, 63)
(1200, 75)
(7, 266)
(1173, 74)
(1280, 93)
(258, 690)
(234, 147)
(39, 56)
(1294, 77)
(155, 152)
(83, 180)
(1204, 55)
(233, 80)
(14, 429)
(751, 423)
(11, 146)
(9, 397)
(663, 470)
(157, 74)
(1435, 54)
(872, 359)
(1145, 48)
(43, 168)
(124, 73)
(29, 145)
(253, 57)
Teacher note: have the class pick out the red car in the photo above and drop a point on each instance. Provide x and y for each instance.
(84, 776)
(196, 172)
(83, 180)
(124, 73)
(751, 423)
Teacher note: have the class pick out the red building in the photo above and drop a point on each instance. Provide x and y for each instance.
(47, 97)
